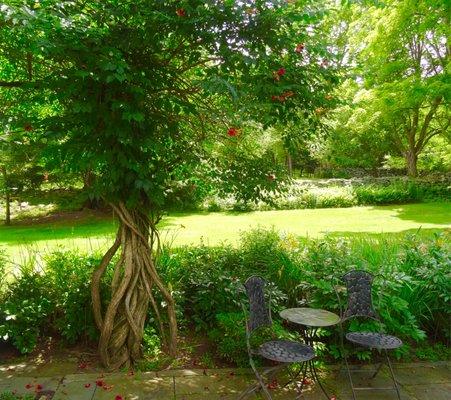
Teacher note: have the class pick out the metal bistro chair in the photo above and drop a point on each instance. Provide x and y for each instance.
(284, 352)
(359, 290)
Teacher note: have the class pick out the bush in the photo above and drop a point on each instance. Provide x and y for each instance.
(303, 272)
(56, 301)
(414, 287)
(25, 311)
(68, 274)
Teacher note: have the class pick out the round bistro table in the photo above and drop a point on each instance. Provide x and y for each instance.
(309, 321)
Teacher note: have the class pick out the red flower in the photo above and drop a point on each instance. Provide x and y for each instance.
(82, 365)
(28, 127)
(281, 71)
(100, 383)
(118, 397)
(307, 381)
(299, 48)
(273, 384)
(28, 386)
(180, 12)
(38, 387)
(87, 385)
(232, 132)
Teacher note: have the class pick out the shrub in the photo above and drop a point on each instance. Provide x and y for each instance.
(25, 311)
(395, 193)
(68, 274)
(414, 287)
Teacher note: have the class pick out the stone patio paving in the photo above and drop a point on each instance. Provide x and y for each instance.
(418, 381)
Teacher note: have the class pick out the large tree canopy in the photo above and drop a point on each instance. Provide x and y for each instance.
(144, 93)
(401, 54)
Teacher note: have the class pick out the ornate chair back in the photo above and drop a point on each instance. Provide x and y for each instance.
(359, 288)
(259, 311)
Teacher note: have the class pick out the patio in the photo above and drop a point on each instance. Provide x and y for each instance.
(58, 380)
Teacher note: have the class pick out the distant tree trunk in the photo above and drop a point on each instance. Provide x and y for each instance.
(289, 164)
(7, 198)
(411, 163)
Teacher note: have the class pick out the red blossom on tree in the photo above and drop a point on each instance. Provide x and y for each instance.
(118, 397)
(38, 387)
(299, 48)
(180, 12)
(100, 383)
(232, 132)
(87, 385)
(281, 71)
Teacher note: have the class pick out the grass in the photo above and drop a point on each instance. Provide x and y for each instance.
(91, 232)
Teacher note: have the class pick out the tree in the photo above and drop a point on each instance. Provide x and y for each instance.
(144, 93)
(405, 62)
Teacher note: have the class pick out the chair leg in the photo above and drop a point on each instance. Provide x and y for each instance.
(260, 384)
(349, 375)
(377, 370)
(392, 375)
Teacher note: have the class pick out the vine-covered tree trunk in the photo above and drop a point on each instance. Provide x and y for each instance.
(135, 280)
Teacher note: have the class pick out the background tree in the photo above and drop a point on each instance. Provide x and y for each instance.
(143, 93)
(405, 64)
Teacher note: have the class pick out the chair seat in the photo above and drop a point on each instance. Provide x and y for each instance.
(374, 340)
(286, 351)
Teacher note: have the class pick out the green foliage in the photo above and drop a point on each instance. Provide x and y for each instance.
(411, 293)
(229, 337)
(151, 342)
(143, 114)
(303, 273)
(25, 310)
(400, 192)
(429, 283)
(68, 275)
(56, 301)
(11, 396)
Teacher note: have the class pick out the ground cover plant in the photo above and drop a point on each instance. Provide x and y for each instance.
(205, 281)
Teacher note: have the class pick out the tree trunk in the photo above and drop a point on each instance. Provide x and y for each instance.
(135, 280)
(289, 164)
(411, 162)
(7, 197)
(7, 208)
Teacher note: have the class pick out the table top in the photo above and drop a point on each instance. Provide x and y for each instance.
(314, 317)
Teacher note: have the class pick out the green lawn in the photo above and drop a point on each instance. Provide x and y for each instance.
(92, 232)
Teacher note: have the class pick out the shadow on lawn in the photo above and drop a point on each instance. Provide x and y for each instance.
(439, 214)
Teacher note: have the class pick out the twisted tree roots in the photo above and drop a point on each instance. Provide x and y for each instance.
(135, 280)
